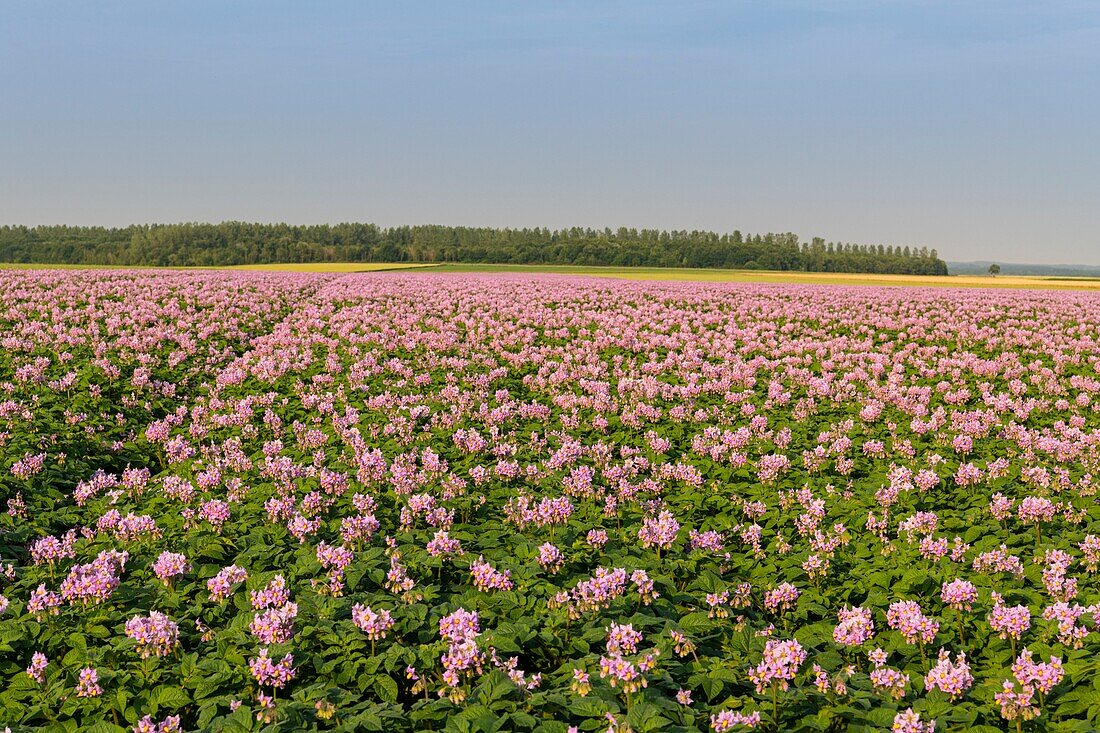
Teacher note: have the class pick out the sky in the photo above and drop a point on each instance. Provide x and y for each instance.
(971, 127)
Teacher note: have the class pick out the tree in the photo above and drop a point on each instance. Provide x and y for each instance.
(994, 269)
(242, 243)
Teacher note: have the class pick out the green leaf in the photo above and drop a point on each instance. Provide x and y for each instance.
(645, 717)
(696, 623)
(711, 686)
(495, 687)
(168, 696)
(588, 708)
(103, 726)
(386, 688)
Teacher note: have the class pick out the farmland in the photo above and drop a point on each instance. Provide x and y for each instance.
(695, 274)
(472, 501)
(689, 274)
(807, 278)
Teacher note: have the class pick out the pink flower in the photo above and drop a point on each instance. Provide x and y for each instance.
(623, 639)
(43, 602)
(274, 625)
(1090, 547)
(781, 598)
(170, 565)
(88, 683)
(1009, 621)
(155, 634)
(269, 673)
(959, 594)
(460, 625)
(659, 531)
(907, 618)
(334, 558)
(910, 722)
(274, 594)
(37, 668)
(216, 512)
(1035, 509)
(954, 679)
(598, 591)
(550, 558)
(96, 581)
(727, 720)
(171, 724)
(374, 625)
(443, 544)
(596, 538)
(855, 628)
(1016, 704)
(581, 685)
(1039, 676)
(889, 681)
(28, 466)
(487, 578)
(780, 664)
(1000, 506)
(1069, 631)
(221, 585)
(51, 549)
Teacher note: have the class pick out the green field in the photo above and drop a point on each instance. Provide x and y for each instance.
(669, 273)
(771, 276)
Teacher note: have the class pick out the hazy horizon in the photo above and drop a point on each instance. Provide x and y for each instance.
(964, 126)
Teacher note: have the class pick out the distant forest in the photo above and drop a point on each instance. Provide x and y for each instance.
(239, 243)
(981, 267)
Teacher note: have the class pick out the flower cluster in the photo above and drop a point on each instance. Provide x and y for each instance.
(374, 625)
(274, 625)
(221, 585)
(856, 627)
(779, 665)
(169, 566)
(170, 724)
(96, 581)
(37, 668)
(269, 673)
(622, 671)
(954, 678)
(463, 657)
(156, 635)
(88, 683)
(659, 531)
(907, 618)
(488, 578)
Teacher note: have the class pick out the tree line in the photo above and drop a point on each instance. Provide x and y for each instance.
(241, 243)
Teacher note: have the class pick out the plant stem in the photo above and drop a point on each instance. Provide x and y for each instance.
(775, 705)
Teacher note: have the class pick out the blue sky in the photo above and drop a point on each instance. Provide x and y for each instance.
(972, 127)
